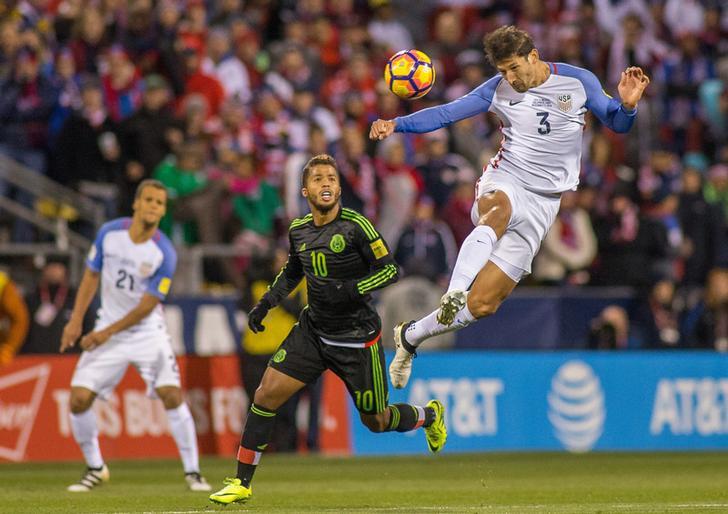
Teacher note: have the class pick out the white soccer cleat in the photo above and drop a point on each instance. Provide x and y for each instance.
(196, 482)
(90, 479)
(401, 367)
(451, 303)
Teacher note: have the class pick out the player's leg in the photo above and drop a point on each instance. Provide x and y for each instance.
(492, 285)
(295, 364)
(274, 390)
(97, 373)
(494, 214)
(362, 370)
(182, 426)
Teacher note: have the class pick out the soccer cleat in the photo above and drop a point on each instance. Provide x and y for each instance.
(196, 482)
(90, 479)
(401, 366)
(451, 303)
(436, 434)
(233, 492)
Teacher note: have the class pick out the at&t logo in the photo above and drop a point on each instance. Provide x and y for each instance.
(576, 406)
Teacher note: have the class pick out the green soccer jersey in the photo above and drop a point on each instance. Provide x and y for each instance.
(348, 248)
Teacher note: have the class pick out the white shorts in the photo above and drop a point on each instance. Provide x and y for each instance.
(101, 369)
(532, 215)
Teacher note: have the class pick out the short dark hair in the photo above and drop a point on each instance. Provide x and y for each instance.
(506, 42)
(317, 160)
(150, 182)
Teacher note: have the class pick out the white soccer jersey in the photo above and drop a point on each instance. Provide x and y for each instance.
(542, 128)
(128, 271)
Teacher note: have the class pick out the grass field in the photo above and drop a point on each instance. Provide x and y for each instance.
(487, 483)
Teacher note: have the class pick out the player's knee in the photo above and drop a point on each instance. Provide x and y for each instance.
(81, 401)
(482, 306)
(171, 397)
(374, 422)
(266, 397)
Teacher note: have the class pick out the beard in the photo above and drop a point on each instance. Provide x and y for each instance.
(322, 208)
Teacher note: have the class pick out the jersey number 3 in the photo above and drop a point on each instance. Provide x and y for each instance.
(544, 126)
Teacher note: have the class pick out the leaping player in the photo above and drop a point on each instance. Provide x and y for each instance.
(541, 106)
(134, 263)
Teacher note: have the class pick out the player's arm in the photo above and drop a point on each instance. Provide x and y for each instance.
(433, 118)
(143, 309)
(84, 296)
(383, 269)
(86, 291)
(618, 115)
(286, 281)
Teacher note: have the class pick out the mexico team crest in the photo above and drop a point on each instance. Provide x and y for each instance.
(564, 102)
(337, 243)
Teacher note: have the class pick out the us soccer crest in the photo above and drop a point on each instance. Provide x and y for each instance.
(564, 102)
(337, 243)
(145, 269)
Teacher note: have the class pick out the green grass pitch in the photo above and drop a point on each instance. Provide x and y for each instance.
(486, 482)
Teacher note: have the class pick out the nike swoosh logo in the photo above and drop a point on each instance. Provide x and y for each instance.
(512, 103)
(484, 242)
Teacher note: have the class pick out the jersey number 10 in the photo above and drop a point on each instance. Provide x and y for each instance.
(318, 261)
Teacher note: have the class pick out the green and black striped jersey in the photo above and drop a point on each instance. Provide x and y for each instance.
(348, 248)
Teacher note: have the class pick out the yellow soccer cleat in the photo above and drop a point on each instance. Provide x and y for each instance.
(233, 492)
(436, 434)
(451, 303)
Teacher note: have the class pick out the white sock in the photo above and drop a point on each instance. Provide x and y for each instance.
(86, 434)
(428, 326)
(183, 430)
(474, 254)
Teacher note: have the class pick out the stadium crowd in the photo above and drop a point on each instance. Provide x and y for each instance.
(225, 100)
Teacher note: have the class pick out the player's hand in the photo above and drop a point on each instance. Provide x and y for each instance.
(631, 86)
(257, 314)
(71, 333)
(341, 291)
(94, 339)
(381, 129)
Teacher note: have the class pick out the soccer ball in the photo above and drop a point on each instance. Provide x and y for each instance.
(409, 74)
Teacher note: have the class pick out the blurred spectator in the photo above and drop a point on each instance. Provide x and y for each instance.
(89, 39)
(703, 227)
(633, 46)
(411, 298)
(357, 173)
(199, 83)
(716, 188)
(67, 82)
(446, 45)
(87, 153)
(386, 30)
(305, 113)
(259, 348)
(631, 246)
(610, 330)
(569, 248)
(441, 170)
(226, 66)
(657, 318)
(401, 185)
(148, 136)
(256, 203)
(183, 175)
(13, 319)
(426, 239)
(707, 325)
(456, 212)
(122, 84)
(50, 304)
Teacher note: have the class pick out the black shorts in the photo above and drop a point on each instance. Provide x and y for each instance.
(303, 356)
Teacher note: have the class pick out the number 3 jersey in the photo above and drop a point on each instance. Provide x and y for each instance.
(348, 249)
(128, 271)
(542, 128)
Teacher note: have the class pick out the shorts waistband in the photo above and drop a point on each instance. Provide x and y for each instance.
(346, 344)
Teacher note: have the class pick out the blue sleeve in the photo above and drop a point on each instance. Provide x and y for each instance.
(160, 282)
(433, 118)
(610, 111)
(95, 258)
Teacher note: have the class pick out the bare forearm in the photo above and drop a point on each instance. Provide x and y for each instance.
(134, 316)
(84, 296)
